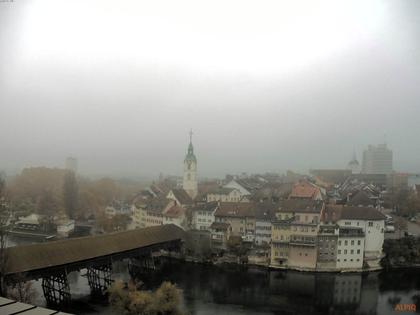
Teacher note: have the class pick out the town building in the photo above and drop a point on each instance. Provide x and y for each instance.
(118, 207)
(377, 160)
(220, 235)
(175, 214)
(350, 248)
(239, 185)
(148, 212)
(240, 216)
(224, 194)
(65, 227)
(331, 176)
(294, 234)
(180, 196)
(327, 237)
(264, 214)
(203, 215)
(361, 235)
(327, 246)
(360, 198)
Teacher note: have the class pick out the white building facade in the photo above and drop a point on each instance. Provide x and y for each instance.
(224, 194)
(203, 216)
(350, 248)
(372, 225)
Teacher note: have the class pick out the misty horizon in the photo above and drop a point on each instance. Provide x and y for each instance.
(121, 94)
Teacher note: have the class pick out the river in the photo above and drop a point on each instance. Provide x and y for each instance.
(233, 289)
(209, 290)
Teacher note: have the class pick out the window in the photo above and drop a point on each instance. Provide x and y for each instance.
(347, 223)
(358, 251)
(370, 223)
(352, 242)
(345, 243)
(352, 251)
(339, 243)
(359, 242)
(339, 251)
(345, 251)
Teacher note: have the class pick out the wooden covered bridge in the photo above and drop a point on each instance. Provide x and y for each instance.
(52, 261)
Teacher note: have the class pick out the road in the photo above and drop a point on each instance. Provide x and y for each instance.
(412, 228)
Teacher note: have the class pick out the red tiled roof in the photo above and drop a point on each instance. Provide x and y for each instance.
(301, 205)
(174, 212)
(304, 189)
(182, 196)
(333, 213)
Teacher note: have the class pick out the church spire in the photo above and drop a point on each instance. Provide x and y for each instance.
(191, 134)
(190, 170)
(190, 152)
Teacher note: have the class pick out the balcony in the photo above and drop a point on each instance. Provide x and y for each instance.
(278, 241)
(328, 230)
(351, 232)
(302, 240)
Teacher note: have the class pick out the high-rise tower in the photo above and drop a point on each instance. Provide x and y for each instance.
(190, 184)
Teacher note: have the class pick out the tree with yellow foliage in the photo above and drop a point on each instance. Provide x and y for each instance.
(166, 300)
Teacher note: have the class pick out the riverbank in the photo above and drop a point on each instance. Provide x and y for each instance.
(230, 260)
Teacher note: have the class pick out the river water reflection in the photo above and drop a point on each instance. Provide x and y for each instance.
(237, 290)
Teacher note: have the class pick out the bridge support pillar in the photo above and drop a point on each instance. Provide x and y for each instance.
(141, 265)
(56, 289)
(99, 279)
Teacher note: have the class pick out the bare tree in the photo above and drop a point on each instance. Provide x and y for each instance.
(21, 290)
(401, 225)
(4, 217)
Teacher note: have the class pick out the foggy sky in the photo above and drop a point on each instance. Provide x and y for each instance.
(264, 86)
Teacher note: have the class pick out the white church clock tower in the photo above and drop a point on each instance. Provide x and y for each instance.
(190, 184)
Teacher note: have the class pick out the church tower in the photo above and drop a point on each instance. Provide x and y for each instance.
(354, 165)
(190, 171)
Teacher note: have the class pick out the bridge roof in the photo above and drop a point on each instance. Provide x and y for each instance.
(58, 253)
